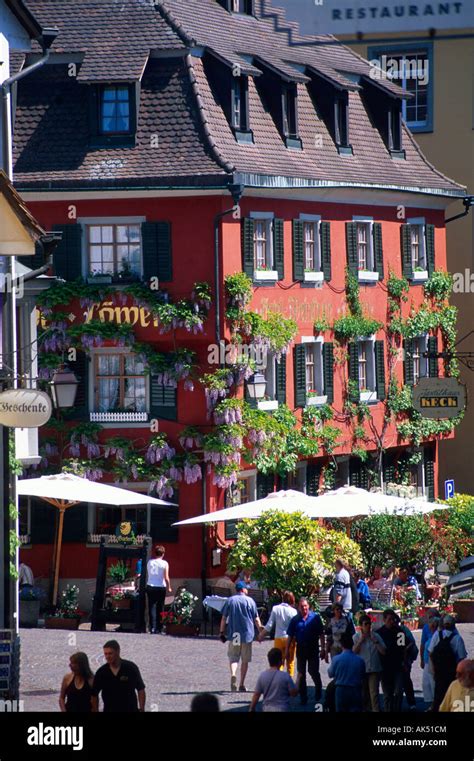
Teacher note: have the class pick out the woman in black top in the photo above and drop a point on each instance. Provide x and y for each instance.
(76, 688)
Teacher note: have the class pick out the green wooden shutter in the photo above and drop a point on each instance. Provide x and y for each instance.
(358, 475)
(163, 400)
(378, 249)
(156, 247)
(298, 250)
(433, 370)
(43, 522)
(230, 530)
(248, 258)
(354, 369)
(265, 484)
(407, 261)
(313, 474)
(81, 368)
(67, 256)
(408, 370)
(351, 245)
(300, 375)
(325, 233)
(280, 369)
(279, 248)
(430, 248)
(161, 520)
(429, 472)
(328, 371)
(380, 369)
(76, 524)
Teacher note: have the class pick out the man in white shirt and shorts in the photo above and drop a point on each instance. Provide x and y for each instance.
(158, 583)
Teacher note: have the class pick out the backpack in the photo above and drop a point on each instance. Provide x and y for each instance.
(443, 658)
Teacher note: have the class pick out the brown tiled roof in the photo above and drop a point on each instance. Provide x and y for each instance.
(19, 207)
(194, 143)
(17, 60)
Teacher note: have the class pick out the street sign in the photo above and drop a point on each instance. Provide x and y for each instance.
(439, 398)
(449, 488)
(25, 408)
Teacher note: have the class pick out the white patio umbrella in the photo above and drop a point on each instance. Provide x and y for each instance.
(350, 502)
(64, 490)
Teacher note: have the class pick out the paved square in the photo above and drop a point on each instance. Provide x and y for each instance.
(174, 668)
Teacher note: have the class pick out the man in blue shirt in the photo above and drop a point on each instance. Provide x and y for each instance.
(239, 616)
(348, 672)
(363, 590)
(307, 630)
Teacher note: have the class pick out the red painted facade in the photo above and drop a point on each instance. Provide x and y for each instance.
(191, 221)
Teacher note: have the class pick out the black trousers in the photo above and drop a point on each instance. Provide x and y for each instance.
(156, 603)
(307, 658)
(408, 687)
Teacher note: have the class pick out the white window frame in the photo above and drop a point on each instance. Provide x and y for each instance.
(270, 373)
(113, 418)
(422, 342)
(85, 221)
(369, 275)
(421, 222)
(317, 344)
(268, 217)
(251, 477)
(316, 274)
(370, 395)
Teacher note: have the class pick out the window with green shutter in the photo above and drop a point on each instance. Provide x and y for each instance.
(378, 249)
(408, 364)
(300, 375)
(407, 264)
(433, 369)
(161, 520)
(325, 230)
(157, 252)
(354, 370)
(429, 463)
(67, 256)
(279, 248)
(358, 475)
(280, 372)
(313, 474)
(265, 484)
(430, 248)
(380, 369)
(298, 250)
(247, 234)
(328, 371)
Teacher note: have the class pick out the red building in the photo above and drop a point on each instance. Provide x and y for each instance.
(132, 144)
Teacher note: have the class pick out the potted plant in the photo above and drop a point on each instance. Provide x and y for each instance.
(178, 620)
(99, 278)
(407, 603)
(122, 601)
(67, 615)
(463, 607)
(118, 572)
(126, 274)
(30, 602)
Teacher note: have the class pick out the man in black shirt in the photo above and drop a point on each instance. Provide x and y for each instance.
(393, 661)
(120, 683)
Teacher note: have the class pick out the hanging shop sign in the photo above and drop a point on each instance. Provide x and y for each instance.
(126, 533)
(439, 398)
(24, 408)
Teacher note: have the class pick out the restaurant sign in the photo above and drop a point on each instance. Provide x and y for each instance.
(24, 408)
(126, 533)
(438, 398)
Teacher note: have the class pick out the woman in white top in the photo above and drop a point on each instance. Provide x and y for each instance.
(158, 582)
(280, 617)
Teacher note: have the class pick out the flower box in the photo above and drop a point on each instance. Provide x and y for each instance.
(367, 276)
(268, 405)
(313, 277)
(368, 396)
(29, 613)
(420, 276)
(123, 604)
(265, 275)
(99, 279)
(316, 401)
(183, 630)
(56, 622)
(464, 611)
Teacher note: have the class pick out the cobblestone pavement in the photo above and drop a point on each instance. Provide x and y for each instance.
(173, 668)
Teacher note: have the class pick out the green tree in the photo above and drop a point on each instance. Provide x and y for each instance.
(290, 551)
(393, 540)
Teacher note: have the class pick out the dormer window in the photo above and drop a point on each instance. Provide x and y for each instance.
(242, 6)
(289, 113)
(341, 123)
(115, 110)
(240, 110)
(395, 131)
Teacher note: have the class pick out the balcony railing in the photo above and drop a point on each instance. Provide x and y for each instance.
(118, 417)
(112, 539)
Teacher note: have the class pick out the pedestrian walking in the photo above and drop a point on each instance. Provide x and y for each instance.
(365, 600)
(348, 672)
(410, 656)
(392, 661)
(428, 678)
(119, 682)
(239, 618)
(279, 620)
(446, 650)
(158, 582)
(460, 693)
(342, 586)
(76, 687)
(275, 685)
(306, 629)
(370, 646)
(339, 623)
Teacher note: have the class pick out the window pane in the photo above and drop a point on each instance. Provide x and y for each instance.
(122, 93)
(108, 395)
(95, 233)
(109, 93)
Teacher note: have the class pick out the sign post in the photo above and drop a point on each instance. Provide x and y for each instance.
(449, 488)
